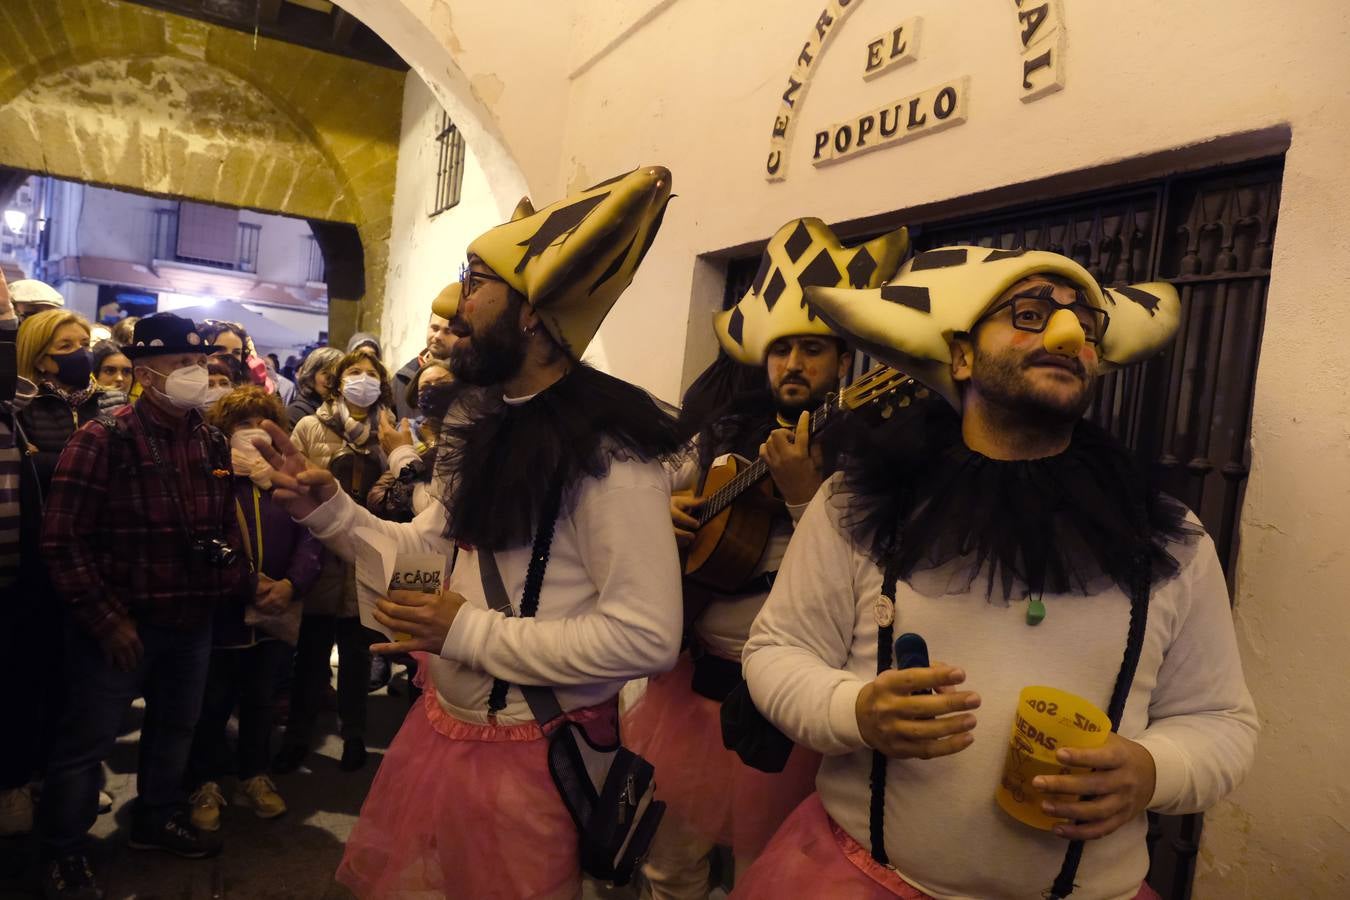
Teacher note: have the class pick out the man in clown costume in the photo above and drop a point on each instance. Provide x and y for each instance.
(1026, 547)
(712, 796)
(547, 469)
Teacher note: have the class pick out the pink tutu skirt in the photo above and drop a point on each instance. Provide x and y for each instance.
(705, 785)
(467, 811)
(811, 856)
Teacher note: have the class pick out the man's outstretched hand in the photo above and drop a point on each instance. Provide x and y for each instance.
(298, 485)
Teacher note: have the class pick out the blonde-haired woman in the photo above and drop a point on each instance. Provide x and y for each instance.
(52, 350)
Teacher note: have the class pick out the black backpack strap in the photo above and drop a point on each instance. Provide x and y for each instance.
(495, 592)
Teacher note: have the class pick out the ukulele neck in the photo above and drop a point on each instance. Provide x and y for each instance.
(756, 472)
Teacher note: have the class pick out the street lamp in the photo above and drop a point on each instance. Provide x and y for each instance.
(15, 220)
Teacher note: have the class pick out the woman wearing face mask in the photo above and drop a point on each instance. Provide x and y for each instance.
(223, 374)
(253, 643)
(402, 492)
(58, 396)
(343, 437)
(53, 353)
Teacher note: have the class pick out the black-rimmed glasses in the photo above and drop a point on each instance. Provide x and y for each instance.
(470, 280)
(1032, 312)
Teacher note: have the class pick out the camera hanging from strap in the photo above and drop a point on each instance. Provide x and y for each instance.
(215, 552)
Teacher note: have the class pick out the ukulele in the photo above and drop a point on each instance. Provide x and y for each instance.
(737, 514)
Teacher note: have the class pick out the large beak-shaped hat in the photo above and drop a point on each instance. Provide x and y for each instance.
(908, 322)
(573, 259)
(803, 253)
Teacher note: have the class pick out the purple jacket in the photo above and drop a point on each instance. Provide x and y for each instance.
(288, 551)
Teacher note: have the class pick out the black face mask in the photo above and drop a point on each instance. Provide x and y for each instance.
(433, 400)
(73, 368)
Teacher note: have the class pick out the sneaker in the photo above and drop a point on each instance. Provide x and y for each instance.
(176, 835)
(206, 802)
(16, 811)
(260, 793)
(105, 802)
(353, 755)
(70, 878)
(289, 758)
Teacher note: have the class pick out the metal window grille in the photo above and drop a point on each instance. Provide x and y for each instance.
(165, 239)
(314, 267)
(249, 235)
(449, 166)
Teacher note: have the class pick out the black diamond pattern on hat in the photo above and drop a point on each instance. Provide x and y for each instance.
(908, 295)
(1005, 254)
(860, 268)
(775, 289)
(1143, 298)
(822, 272)
(736, 325)
(939, 259)
(758, 284)
(798, 243)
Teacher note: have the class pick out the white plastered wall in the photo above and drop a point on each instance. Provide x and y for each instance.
(694, 85)
(425, 252)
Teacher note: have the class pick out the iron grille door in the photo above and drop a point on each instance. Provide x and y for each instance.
(1186, 413)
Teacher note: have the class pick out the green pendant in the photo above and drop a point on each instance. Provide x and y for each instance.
(1035, 611)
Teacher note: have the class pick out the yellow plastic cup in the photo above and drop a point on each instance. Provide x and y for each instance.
(1047, 719)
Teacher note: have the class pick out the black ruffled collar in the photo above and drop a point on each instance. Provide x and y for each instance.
(922, 501)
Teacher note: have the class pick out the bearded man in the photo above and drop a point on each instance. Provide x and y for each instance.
(550, 473)
(712, 796)
(1027, 549)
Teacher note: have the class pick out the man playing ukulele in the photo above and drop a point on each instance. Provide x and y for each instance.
(714, 798)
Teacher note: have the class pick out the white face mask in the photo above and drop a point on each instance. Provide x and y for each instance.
(247, 460)
(186, 388)
(211, 395)
(360, 389)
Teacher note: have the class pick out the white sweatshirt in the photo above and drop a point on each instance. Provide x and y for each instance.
(609, 609)
(813, 648)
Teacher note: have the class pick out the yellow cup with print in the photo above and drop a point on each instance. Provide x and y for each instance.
(1047, 719)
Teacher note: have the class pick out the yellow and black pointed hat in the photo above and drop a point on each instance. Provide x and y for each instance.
(908, 322)
(801, 254)
(573, 259)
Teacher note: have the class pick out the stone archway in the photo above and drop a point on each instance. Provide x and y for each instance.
(123, 96)
(421, 31)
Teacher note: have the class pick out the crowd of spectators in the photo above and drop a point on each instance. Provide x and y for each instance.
(139, 538)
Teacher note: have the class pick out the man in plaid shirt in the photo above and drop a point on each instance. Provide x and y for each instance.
(138, 534)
